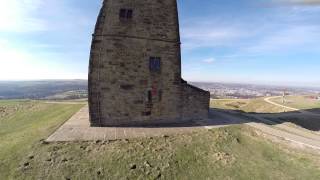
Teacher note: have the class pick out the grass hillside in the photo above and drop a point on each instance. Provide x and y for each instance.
(299, 102)
(40, 89)
(69, 95)
(228, 153)
(247, 105)
(24, 123)
(275, 113)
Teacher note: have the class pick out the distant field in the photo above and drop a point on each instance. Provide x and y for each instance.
(69, 89)
(247, 105)
(69, 95)
(299, 102)
(228, 153)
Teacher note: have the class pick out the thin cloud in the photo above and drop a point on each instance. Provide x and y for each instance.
(18, 64)
(45, 56)
(18, 16)
(299, 2)
(210, 35)
(209, 60)
(24, 16)
(289, 39)
(282, 30)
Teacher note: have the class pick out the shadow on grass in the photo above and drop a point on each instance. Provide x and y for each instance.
(308, 119)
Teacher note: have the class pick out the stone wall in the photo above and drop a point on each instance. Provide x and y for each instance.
(122, 89)
(195, 102)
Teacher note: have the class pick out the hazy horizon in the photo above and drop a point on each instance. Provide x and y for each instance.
(294, 85)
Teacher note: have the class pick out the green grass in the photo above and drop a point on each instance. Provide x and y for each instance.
(228, 153)
(247, 105)
(299, 102)
(258, 105)
(234, 104)
(25, 123)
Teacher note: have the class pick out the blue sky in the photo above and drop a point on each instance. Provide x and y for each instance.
(251, 41)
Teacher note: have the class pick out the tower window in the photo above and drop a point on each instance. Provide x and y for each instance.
(160, 95)
(149, 98)
(129, 13)
(126, 13)
(155, 64)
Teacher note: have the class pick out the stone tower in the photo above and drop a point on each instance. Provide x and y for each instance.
(135, 67)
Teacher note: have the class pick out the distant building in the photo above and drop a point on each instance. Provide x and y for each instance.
(268, 94)
(135, 67)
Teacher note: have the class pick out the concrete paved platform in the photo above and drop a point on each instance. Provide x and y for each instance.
(77, 128)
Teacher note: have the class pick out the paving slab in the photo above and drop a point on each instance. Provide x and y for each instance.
(77, 128)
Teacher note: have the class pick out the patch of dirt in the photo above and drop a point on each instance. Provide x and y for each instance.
(224, 158)
(236, 104)
(8, 110)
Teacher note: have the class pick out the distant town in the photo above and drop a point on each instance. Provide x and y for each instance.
(75, 89)
(247, 91)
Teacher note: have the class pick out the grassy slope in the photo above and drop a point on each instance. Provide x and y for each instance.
(247, 105)
(300, 102)
(24, 123)
(260, 106)
(226, 153)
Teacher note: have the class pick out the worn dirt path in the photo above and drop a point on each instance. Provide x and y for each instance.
(269, 100)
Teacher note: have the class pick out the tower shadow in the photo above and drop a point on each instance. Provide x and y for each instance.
(308, 119)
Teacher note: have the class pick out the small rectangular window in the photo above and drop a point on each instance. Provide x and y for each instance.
(129, 13)
(123, 13)
(155, 64)
(160, 95)
(149, 96)
(126, 13)
(148, 113)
